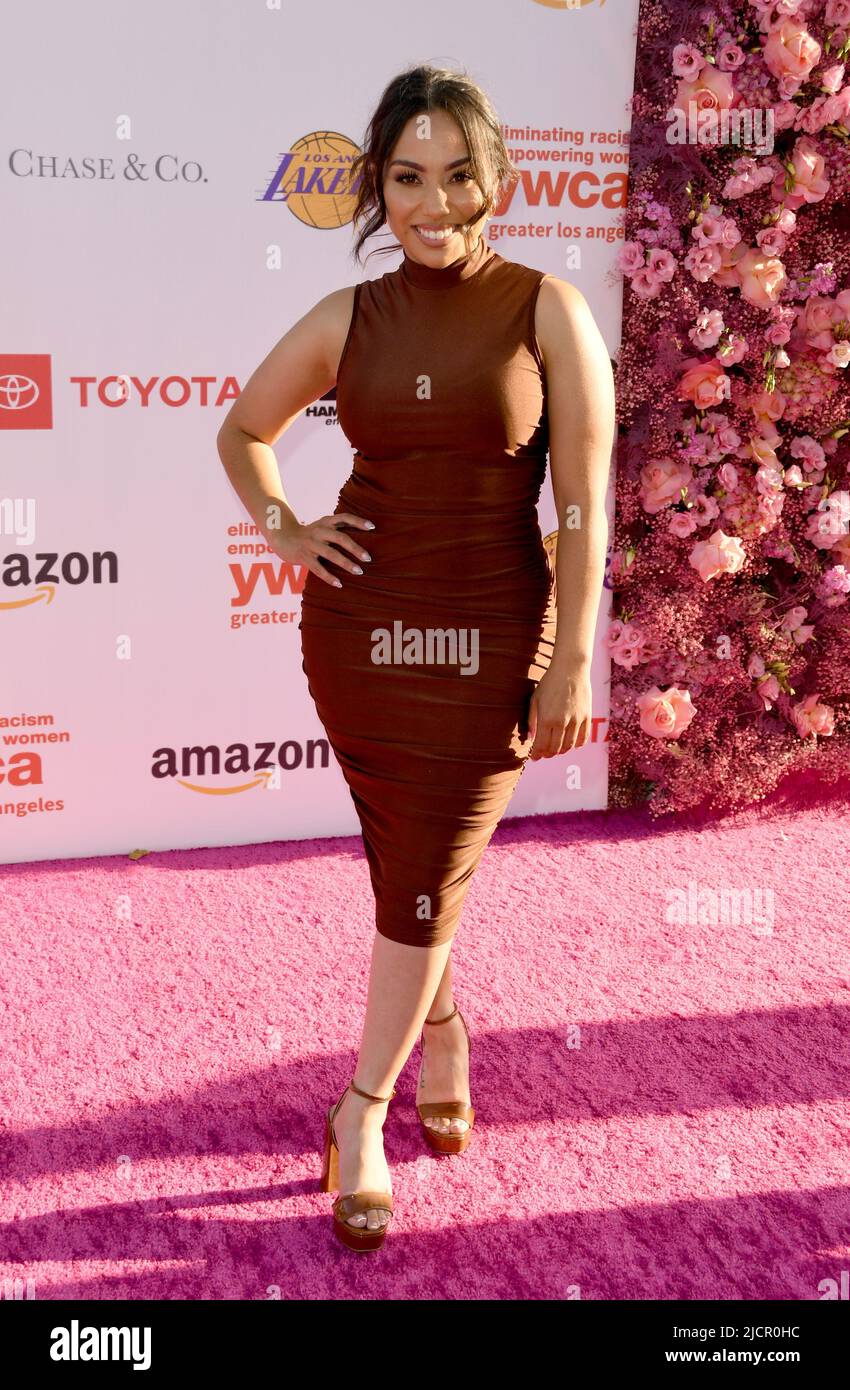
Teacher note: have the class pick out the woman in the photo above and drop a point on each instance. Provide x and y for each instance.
(428, 616)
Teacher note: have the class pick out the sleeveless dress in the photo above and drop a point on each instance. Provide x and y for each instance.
(422, 668)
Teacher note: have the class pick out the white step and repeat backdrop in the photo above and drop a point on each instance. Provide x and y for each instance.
(173, 181)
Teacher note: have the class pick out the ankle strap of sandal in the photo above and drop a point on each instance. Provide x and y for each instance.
(366, 1095)
(443, 1020)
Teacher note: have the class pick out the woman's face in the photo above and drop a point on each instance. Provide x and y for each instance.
(428, 186)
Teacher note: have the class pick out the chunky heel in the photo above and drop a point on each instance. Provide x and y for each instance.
(329, 1181)
(351, 1203)
(447, 1109)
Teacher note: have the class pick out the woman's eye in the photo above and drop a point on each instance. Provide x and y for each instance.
(461, 173)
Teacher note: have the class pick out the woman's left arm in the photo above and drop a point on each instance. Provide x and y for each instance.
(582, 423)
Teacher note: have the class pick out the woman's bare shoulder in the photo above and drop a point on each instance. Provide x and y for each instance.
(299, 369)
(562, 319)
(333, 314)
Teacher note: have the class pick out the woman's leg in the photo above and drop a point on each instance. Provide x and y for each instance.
(444, 1073)
(443, 1003)
(402, 983)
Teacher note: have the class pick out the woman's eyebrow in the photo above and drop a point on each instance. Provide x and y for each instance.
(413, 165)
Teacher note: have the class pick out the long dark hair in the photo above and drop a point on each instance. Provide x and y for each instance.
(414, 92)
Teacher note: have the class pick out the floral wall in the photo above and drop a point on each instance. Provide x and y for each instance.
(730, 642)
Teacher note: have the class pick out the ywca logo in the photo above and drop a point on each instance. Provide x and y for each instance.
(26, 398)
(313, 179)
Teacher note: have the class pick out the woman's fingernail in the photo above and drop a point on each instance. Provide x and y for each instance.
(371, 525)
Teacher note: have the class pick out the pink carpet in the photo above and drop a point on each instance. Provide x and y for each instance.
(662, 1109)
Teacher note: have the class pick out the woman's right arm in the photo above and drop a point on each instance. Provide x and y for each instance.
(300, 369)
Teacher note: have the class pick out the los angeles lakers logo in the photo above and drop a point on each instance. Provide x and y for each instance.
(313, 178)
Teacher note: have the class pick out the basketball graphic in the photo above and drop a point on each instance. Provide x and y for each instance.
(313, 179)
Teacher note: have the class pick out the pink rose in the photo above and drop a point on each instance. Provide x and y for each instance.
(708, 230)
(703, 262)
(837, 109)
(661, 483)
(749, 175)
(720, 554)
(840, 552)
(707, 329)
(817, 320)
(730, 57)
(727, 275)
(767, 406)
(812, 718)
(665, 714)
(704, 510)
(832, 78)
(839, 353)
(662, 264)
(646, 284)
(805, 447)
(682, 525)
(614, 633)
(755, 666)
(810, 181)
(728, 439)
(790, 51)
(772, 241)
(793, 618)
(728, 476)
(777, 334)
(687, 61)
(834, 585)
(704, 383)
(784, 115)
(733, 350)
(622, 634)
(827, 523)
(631, 257)
(838, 12)
(628, 656)
(711, 91)
(761, 278)
(788, 86)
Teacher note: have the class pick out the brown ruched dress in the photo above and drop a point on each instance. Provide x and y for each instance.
(422, 668)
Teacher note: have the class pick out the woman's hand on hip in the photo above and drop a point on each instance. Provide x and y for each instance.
(315, 541)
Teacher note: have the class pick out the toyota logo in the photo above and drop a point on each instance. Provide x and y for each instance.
(17, 392)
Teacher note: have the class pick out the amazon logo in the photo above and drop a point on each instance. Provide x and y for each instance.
(27, 579)
(246, 767)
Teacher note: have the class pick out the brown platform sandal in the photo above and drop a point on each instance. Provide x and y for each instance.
(351, 1203)
(447, 1109)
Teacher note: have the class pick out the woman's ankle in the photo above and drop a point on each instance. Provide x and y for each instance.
(439, 1013)
(354, 1106)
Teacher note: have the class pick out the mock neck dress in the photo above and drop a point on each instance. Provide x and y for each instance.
(423, 667)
